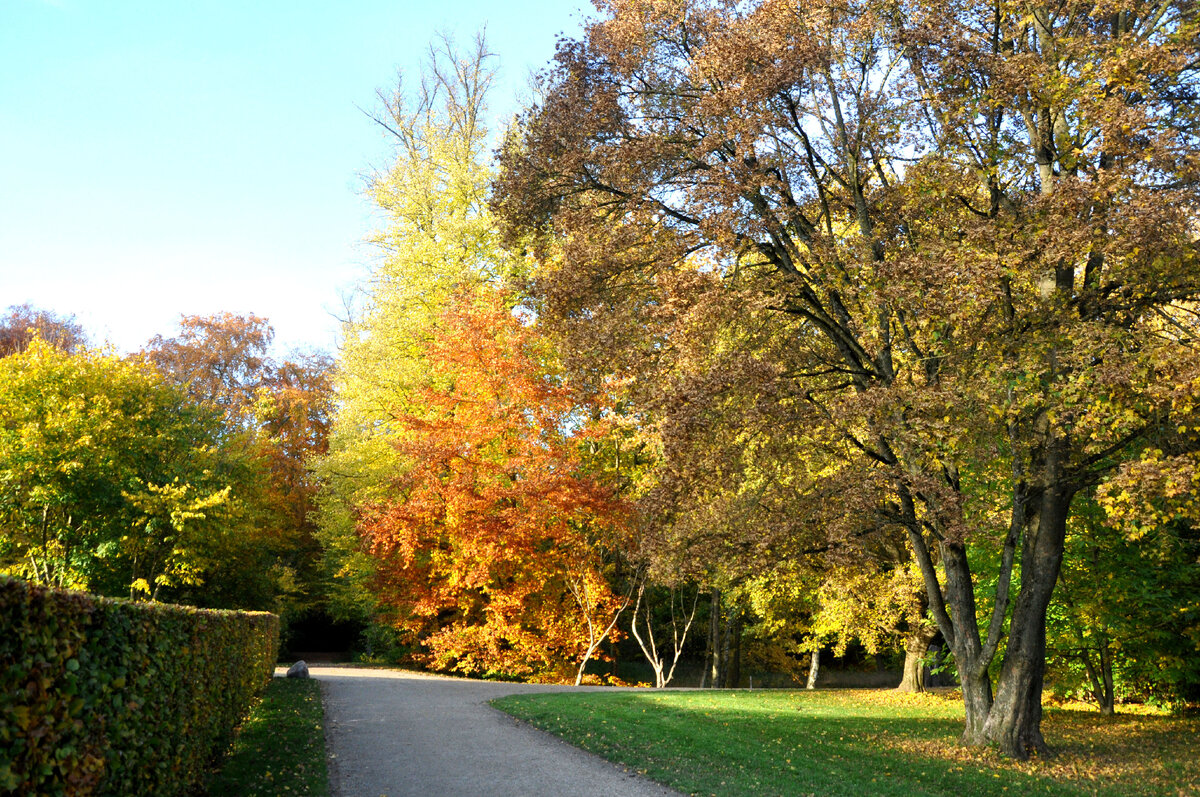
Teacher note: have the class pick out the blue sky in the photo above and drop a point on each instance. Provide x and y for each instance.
(161, 158)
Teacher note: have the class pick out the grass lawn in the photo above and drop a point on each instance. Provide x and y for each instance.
(280, 749)
(849, 742)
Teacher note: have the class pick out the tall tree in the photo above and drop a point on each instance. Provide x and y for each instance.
(973, 219)
(437, 238)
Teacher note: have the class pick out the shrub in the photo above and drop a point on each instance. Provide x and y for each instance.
(107, 697)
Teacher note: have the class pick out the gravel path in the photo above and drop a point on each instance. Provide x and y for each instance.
(392, 733)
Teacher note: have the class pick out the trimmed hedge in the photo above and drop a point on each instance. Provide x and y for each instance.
(107, 697)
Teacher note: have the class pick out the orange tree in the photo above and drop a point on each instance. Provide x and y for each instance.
(489, 546)
(278, 414)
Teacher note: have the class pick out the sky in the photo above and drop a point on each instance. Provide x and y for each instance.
(168, 158)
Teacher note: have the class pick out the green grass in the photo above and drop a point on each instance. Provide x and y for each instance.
(851, 742)
(280, 749)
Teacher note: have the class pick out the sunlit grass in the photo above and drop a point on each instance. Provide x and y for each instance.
(280, 749)
(849, 742)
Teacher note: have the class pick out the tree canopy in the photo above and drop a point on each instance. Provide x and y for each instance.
(112, 480)
(24, 322)
(975, 226)
(488, 545)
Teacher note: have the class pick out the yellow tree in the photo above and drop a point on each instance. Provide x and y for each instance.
(437, 238)
(111, 479)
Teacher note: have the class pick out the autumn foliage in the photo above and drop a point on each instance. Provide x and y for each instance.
(972, 224)
(492, 532)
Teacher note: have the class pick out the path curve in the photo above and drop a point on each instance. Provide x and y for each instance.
(394, 733)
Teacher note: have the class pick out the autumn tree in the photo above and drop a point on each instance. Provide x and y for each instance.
(437, 237)
(880, 608)
(221, 359)
(295, 413)
(977, 223)
(488, 557)
(783, 603)
(23, 323)
(112, 480)
(732, 494)
(279, 414)
(487, 544)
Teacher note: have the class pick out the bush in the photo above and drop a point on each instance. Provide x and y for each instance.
(107, 697)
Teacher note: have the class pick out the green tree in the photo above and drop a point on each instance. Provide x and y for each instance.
(1125, 621)
(110, 479)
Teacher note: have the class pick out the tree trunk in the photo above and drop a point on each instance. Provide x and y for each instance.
(814, 669)
(734, 679)
(1108, 705)
(585, 603)
(1015, 721)
(712, 661)
(915, 647)
(726, 654)
(648, 645)
(1012, 718)
(963, 639)
(977, 702)
(1101, 678)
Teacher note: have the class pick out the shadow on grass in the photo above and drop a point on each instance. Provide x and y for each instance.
(280, 748)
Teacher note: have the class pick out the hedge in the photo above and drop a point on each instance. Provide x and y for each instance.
(107, 697)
